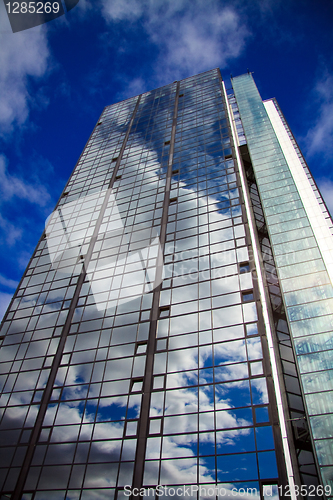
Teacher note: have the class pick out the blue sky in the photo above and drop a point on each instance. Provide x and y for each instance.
(56, 79)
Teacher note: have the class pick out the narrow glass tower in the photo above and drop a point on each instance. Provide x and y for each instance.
(171, 335)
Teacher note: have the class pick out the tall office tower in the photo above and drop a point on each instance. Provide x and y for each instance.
(173, 327)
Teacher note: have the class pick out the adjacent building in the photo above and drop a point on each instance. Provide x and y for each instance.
(172, 334)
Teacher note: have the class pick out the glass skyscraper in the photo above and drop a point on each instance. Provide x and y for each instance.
(172, 334)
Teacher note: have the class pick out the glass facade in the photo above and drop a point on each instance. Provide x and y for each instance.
(299, 230)
(138, 350)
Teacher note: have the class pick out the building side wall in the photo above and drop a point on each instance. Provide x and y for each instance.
(302, 246)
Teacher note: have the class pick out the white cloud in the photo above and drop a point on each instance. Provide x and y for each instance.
(120, 10)
(132, 88)
(23, 56)
(8, 282)
(13, 186)
(5, 299)
(326, 189)
(11, 233)
(192, 36)
(200, 40)
(23, 259)
(319, 137)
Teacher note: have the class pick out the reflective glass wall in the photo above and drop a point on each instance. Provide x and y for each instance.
(209, 415)
(300, 232)
(134, 353)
